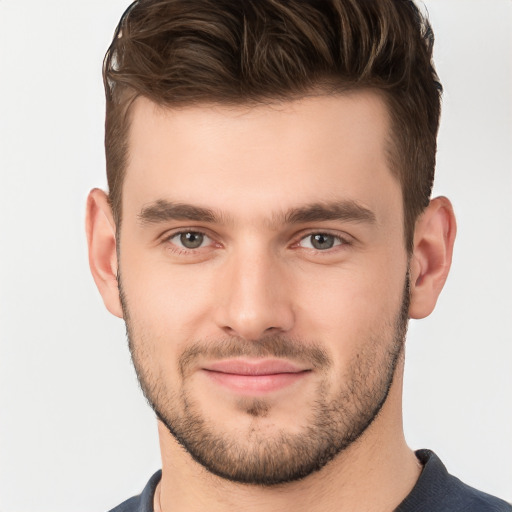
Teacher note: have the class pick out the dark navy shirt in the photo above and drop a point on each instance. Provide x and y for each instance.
(435, 491)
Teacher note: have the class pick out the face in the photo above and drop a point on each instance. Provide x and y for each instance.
(263, 272)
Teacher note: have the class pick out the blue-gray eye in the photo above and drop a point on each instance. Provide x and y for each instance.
(190, 239)
(320, 241)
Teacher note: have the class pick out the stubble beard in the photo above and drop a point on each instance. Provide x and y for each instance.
(258, 458)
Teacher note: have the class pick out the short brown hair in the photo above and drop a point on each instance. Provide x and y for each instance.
(185, 52)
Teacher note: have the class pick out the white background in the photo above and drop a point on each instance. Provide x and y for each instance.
(75, 432)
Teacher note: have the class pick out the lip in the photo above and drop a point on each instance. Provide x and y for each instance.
(254, 377)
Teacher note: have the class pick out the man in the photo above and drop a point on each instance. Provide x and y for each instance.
(267, 234)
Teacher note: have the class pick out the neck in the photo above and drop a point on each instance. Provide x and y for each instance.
(379, 459)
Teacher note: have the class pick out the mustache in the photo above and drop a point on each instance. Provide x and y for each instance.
(270, 346)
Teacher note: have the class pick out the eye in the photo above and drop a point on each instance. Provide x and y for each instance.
(321, 241)
(190, 239)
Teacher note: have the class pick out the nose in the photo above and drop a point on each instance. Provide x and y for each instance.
(254, 296)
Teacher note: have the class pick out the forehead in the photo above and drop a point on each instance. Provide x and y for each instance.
(256, 159)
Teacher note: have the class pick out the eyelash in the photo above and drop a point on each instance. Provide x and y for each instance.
(341, 241)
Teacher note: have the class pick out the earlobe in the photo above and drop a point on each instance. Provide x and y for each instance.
(432, 255)
(101, 240)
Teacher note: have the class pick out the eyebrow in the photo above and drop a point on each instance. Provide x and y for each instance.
(346, 210)
(163, 210)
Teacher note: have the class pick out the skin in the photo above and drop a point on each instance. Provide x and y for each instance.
(257, 275)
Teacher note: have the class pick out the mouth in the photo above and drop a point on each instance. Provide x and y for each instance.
(254, 377)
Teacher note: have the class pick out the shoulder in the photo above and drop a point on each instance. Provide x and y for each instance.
(142, 502)
(130, 505)
(438, 491)
(469, 499)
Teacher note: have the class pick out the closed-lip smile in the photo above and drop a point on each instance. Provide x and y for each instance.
(256, 376)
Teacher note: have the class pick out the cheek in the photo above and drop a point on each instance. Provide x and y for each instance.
(169, 300)
(351, 307)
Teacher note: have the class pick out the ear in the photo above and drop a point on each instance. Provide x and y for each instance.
(432, 255)
(101, 240)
